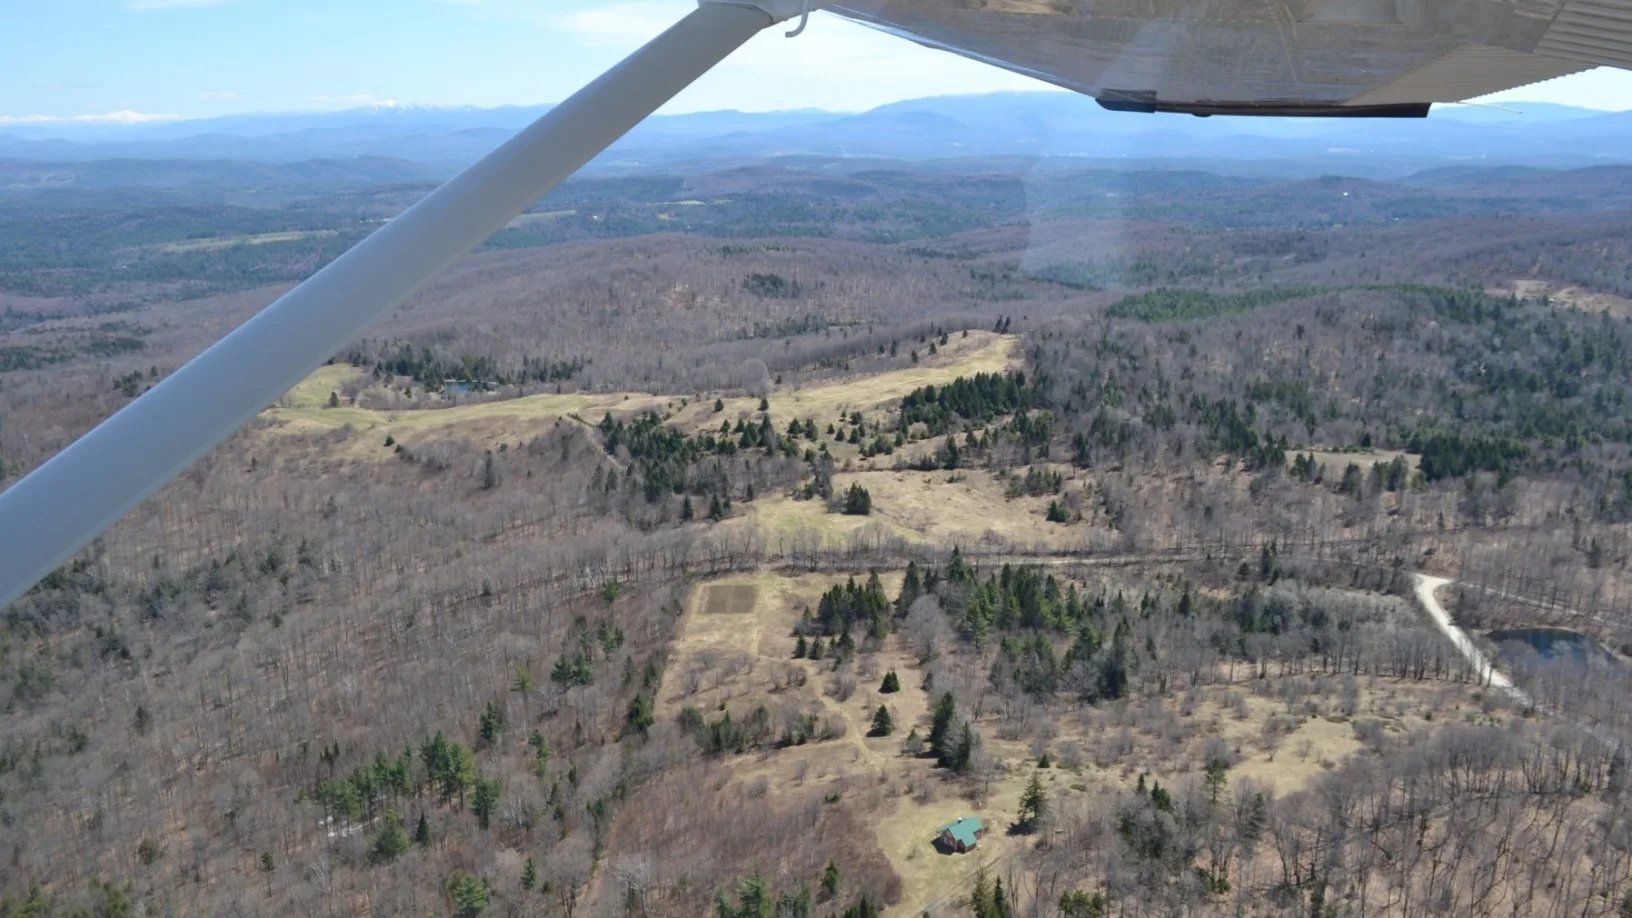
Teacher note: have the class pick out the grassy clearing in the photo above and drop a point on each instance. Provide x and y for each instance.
(967, 507)
(1335, 461)
(304, 409)
(488, 423)
(227, 242)
(540, 217)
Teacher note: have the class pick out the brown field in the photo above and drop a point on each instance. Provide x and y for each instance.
(730, 599)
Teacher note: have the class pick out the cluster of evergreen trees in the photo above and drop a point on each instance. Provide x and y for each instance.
(979, 398)
(445, 768)
(1233, 431)
(1166, 304)
(952, 741)
(431, 368)
(1452, 455)
(756, 899)
(845, 607)
(991, 900)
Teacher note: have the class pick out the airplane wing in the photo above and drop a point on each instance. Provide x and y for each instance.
(1270, 57)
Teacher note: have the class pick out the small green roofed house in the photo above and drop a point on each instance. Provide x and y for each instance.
(963, 835)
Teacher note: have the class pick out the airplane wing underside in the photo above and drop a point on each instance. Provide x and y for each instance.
(1270, 57)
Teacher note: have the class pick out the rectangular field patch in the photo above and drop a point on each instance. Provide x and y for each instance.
(730, 599)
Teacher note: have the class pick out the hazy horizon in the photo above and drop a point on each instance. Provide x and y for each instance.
(153, 61)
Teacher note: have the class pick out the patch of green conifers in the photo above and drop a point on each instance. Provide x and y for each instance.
(1167, 304)
(1172, 304)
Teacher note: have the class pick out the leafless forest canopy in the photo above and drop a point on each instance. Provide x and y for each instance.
(423, 641)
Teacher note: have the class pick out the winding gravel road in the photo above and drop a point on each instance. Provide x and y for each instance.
(1487, 673)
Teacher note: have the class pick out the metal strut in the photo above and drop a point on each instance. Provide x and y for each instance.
(804, 20)
(55, 511)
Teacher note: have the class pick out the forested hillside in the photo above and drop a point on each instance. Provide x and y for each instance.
(707, 542)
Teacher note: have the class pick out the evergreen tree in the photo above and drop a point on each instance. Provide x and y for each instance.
(1078, 904)
(529, 875)
(1215, 773)
(980, 897)
(800, 648)
(857, 502)
(469, 894)
(541, 753)
(686, 512)
(719, 405)
(390, 842)
(940, 729)
(912, 587)
(422, 831)
(1033, 803)
(715, 510)
(641, 716)
(491, 723)
(817, 651)
(830, 882)
(845, 647)
(485, 802)
(492, 472)
(964, 754)
(883, 724)
(891, 684)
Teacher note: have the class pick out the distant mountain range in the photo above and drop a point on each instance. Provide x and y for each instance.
(408, 144)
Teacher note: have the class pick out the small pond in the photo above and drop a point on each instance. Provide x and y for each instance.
(1558, 644)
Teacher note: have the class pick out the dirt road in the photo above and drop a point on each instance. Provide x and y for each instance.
(1426, 586)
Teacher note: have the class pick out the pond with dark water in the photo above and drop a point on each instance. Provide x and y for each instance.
(1556, 644)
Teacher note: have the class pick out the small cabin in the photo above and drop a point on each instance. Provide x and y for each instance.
(961, 836)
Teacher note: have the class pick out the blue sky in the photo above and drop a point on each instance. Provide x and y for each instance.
(131, 60)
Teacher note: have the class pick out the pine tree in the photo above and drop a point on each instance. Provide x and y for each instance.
(1033, 802)
(1216, 772)
(492, 472)
(422, 831)
(541, 754)
(891, 684)
(390, 842)
(964, 755)
(469, 894)
(529, 875)
(719, 405)
(980, 897)
(485, 802)
(817, 651)
(641, 716)
(830, 881)
(883, 724)
(1001, 908)
(491, 723)
(686, 512)
(715, 511)
(941, 728)
(800, 648)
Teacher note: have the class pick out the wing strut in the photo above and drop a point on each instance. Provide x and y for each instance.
(65, 503)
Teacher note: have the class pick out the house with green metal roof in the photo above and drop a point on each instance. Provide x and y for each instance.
(961, 835)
